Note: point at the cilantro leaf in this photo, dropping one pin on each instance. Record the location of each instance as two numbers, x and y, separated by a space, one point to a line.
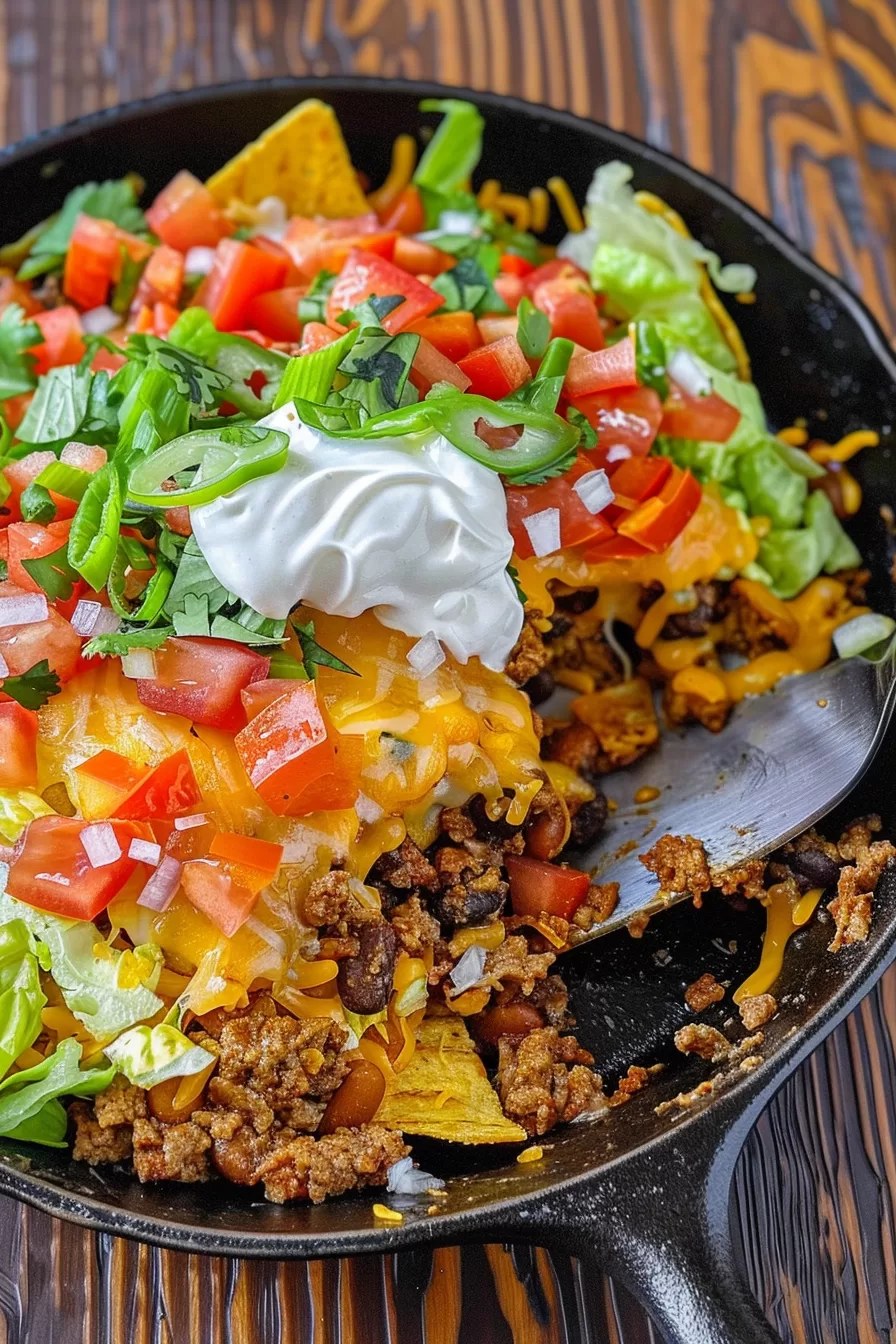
542 474
193 618
194 578
36 504
314 656
53 573
515 576
584 426
120 643
226 627
16 337
4 571
533 329
59 406
468 285
33 688
112 200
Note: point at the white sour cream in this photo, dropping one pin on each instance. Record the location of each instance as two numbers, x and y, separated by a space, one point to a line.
409 527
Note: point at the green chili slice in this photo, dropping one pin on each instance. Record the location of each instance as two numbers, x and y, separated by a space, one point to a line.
93 540
227 458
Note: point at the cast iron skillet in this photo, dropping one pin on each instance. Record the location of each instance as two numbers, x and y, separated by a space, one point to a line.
647 1196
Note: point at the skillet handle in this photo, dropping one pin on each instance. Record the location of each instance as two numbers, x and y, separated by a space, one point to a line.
658 1221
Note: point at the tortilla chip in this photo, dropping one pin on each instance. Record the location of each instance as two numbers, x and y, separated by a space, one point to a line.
302 159
444 1092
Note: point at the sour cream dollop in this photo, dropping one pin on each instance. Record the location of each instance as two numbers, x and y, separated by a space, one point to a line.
410 527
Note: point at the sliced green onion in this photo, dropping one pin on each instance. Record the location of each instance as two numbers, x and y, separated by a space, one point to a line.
93 540
64 479
284 665
862 633
310 377
227 458
543 392
36 504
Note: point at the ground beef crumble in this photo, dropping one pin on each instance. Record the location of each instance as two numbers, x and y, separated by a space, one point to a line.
544 1079
529 654
512 963
866 859
697 1038
756 1010
679 863
703 992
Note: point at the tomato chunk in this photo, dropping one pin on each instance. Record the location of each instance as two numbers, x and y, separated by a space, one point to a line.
24 646
18 746
226 902
63 341
627 421
365 275
539 888
600 370
453 334
202 679
512 263
103 781
240 273
577 523
276 313
162 278
430 366
168 790
496 369
710 418
315 335
19 475
420 258
405 212
570 306
94 259
184 215
51 869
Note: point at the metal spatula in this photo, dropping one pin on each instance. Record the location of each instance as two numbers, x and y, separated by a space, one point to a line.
783 761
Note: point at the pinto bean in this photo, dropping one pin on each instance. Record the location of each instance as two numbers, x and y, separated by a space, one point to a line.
550 829
356 1100
817 867
160 1100
365 981
510 1019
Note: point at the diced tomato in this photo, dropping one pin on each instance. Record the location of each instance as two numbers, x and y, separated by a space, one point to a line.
103 781
577 523
293 276
162 278
333 253
405 212
168 790
190 842
12 291
28 541
247 853
24 646
260 694
510 288
430 366
62 342
164 316
18 746
627 421
315 335
512 263
555 269
276 313
496 369
365 275
108 360
601 370
351 224
301 240
613 548
16 407
453 334
286 746
638 478
240 272
141 321
19 475
226 902
495 326
538 888
51 869
185 215
572 311
420 258
88 456
94 260
709 418
325 245
658 521
202 679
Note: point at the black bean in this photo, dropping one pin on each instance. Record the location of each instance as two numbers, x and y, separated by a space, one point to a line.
575 603
488 828
540 687
560 625
365 981
817 867
588 822
470 907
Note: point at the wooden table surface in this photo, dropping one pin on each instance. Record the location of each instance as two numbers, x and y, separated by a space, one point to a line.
792 103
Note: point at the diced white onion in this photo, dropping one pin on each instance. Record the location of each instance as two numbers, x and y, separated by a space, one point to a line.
367 810
270 218
4 666
145 851
199 260
458 221
688 374
92 618
618 453
594 490
187 823
26 609
139 665
468 971
403 1178
97 321
862 633
543 529
160 890
426 655
100 844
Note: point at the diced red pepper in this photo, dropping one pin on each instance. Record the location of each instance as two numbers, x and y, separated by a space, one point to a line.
202 679
453 334
659 520
210 888
240 273
168 790
572 311
185 215
539 888
627 421
430 367
496 369
276 313
601 370
18 746
63 341
365 275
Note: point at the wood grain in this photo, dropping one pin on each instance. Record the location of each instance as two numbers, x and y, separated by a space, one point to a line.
793 103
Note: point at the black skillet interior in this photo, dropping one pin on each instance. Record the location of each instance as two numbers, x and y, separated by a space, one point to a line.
816 354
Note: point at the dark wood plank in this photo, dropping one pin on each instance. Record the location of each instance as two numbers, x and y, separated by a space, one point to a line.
793 103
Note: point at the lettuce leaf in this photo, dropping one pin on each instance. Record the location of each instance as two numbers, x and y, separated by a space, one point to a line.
25 1097
772 488
149 1055
17 808
793 557
89 983
21 997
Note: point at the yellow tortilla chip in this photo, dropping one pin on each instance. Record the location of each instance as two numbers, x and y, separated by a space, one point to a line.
444 1092
302 159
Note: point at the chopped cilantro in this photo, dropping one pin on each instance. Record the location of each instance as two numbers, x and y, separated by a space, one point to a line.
515 576
121 642
16 336
33 688
584 426
53 573
112 200
314 656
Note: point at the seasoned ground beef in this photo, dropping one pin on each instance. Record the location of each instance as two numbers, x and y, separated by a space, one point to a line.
170 1152
414 926
95 1143
697 1038
703 992
529 654
746 879
405 868
282 1058
711 604
576 746
472 888
866 860
634 1080
348 1159
598 905
544 1079
551 997
756 1010
329 898
121 1104
679 863
512 963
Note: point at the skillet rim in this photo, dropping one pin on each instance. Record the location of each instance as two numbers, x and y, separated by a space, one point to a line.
731 1112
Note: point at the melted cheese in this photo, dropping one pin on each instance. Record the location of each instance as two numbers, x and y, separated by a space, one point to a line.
782 922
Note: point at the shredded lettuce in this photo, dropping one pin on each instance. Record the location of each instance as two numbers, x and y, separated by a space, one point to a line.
793 557
773 489
90 981
21 997
149 1055
29 1105
17 808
